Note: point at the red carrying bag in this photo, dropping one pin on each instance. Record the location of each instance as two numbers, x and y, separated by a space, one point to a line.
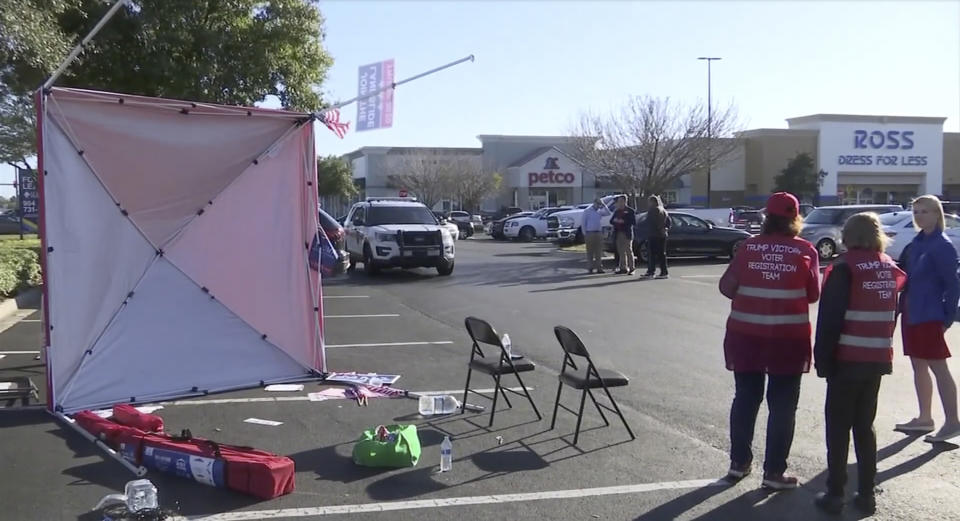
122 438
129 415
250 471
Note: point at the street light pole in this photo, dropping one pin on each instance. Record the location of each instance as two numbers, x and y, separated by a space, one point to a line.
709 123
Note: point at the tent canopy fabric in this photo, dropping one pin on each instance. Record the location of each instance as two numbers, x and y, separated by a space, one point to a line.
177 242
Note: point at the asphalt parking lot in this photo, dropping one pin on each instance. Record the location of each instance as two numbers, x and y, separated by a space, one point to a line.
665 335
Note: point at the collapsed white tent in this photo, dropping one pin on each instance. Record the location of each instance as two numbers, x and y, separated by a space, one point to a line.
176 238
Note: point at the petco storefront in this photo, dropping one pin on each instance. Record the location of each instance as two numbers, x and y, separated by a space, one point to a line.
547 177
877 159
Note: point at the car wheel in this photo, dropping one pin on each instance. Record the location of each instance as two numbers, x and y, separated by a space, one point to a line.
445 268
527 233
643 252
826 249
352 263
369 267
579 237
735 247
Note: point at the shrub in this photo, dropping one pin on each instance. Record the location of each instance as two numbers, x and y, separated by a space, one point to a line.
19 266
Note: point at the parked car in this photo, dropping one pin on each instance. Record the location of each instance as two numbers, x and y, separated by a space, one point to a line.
451 226
824 225
335 233
899 227
496 227
532 227
748 220
690 236
464 221
714 216
568 222
10 225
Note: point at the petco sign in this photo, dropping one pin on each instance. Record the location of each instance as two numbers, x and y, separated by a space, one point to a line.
883 148
552 175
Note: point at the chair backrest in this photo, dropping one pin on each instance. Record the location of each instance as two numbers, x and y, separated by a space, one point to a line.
570 342
481 331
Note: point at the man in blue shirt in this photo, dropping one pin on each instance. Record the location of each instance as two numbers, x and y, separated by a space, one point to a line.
592 223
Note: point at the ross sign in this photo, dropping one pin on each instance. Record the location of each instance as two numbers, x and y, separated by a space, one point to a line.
551 175
376 111
880 149
29 199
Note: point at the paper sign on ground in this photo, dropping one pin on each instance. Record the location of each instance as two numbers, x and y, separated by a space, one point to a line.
258 421
363 378
284 387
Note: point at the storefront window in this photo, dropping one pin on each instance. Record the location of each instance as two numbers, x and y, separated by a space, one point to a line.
549 197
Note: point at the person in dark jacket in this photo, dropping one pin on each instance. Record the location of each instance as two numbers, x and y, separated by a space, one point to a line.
623 220
853 350
658 227
929 306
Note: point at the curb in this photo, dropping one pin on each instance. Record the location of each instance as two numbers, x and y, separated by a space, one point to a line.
27 299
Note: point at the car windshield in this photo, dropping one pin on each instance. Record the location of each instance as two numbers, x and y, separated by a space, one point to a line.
824 216
379 215
892 219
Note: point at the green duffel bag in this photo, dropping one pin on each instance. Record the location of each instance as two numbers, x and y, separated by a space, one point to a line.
388 446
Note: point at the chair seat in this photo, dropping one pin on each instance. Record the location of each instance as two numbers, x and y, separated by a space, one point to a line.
608 376
492 367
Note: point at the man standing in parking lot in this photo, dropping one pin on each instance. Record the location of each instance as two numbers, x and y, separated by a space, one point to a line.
623 220
658 224
592 225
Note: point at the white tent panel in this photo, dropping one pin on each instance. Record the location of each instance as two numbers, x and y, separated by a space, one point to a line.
249 258
169 338
98 255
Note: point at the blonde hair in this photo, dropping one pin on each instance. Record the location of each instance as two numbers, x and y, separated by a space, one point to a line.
931 202
655 201
863 231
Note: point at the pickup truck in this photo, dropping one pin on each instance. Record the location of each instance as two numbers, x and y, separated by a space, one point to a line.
565 226
531 227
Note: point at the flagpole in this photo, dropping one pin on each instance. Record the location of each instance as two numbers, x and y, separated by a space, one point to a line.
393 85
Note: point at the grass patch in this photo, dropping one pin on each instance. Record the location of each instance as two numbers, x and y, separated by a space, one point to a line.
19 264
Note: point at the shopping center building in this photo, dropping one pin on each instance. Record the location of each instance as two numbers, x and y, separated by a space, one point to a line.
861 159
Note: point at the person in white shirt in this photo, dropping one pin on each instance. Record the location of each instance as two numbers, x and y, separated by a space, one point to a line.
592 224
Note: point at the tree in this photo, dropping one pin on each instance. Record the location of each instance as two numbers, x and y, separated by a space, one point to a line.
431 175
473 185
799 178
651 142
335 177
234 52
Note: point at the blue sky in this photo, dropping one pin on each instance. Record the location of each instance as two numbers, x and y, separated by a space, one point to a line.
539 64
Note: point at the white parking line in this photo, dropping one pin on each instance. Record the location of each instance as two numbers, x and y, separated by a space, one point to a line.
392 344
2 357
275 399
460 501
345 296
701 276
31 320
20 352
387 315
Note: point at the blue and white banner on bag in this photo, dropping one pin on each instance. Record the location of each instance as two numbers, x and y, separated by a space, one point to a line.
376 111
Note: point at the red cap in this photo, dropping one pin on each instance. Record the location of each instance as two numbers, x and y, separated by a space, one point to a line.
783 204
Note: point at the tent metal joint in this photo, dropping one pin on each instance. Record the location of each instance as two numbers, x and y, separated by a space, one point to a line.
124 212
49 249
200 211
184 111
120 101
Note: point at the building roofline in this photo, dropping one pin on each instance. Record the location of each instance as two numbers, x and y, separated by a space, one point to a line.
779 132
362 151
529 139
865 119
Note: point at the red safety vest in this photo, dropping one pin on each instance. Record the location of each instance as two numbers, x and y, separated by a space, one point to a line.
771 298
870 319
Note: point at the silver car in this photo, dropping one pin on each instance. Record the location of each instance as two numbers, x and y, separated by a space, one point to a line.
823 226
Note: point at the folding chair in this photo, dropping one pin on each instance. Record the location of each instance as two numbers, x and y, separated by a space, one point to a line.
592 378
20 388
481 332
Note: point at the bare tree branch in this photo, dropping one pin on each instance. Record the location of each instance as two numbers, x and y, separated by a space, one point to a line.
649 143
436 175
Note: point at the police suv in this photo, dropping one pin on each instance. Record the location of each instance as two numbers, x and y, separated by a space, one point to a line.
385 232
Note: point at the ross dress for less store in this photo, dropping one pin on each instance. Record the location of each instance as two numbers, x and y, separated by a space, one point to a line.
862 159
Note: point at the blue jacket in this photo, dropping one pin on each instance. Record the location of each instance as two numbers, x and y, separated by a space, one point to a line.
933 288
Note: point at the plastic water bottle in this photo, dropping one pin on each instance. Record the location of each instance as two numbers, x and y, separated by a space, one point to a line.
439 404
446 454
141 495
507 346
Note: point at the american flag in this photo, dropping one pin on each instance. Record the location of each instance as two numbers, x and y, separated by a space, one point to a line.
331 118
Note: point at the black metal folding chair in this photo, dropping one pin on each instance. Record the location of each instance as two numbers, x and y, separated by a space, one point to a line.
481 332
592 378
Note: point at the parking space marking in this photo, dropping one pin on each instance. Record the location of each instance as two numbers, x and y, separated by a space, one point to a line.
2 357
460 501
29 320
276 399
386 315
391 344
701 276
20 352
345 296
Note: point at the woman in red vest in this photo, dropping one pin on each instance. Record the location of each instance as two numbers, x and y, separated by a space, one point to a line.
772 280
854 349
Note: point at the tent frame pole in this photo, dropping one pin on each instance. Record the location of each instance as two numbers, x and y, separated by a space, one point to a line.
79 47
138 471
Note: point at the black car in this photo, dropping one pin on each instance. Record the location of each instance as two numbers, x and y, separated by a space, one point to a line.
690 236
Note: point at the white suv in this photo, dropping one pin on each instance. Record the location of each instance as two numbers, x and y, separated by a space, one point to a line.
532 227
397 232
